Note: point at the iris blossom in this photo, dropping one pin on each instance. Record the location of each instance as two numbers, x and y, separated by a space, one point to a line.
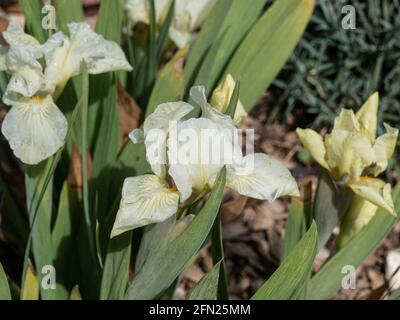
355 157
35 127
177 181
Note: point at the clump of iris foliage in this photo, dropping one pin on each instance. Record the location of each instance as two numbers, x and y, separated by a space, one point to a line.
126 226
328 58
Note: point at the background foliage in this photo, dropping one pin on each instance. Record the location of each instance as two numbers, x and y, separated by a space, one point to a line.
333 68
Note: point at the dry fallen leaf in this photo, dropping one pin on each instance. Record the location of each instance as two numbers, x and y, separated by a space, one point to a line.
194 273
75 169
3 27
232 206
129 113
264 219
378 293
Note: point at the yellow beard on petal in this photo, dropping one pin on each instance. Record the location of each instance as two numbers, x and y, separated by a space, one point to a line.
38 99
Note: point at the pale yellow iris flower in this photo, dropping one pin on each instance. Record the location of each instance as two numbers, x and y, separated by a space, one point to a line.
353 155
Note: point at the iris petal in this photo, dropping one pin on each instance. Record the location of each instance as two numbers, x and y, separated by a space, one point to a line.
145 200
261 177
35 129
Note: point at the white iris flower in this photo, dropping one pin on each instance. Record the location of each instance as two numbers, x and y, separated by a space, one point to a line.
189 15
177 180
35 127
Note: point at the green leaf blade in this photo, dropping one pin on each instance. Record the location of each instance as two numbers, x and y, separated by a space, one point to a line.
116 268
5 293
68 11
267 46
32 10
330 204
329 279
288 279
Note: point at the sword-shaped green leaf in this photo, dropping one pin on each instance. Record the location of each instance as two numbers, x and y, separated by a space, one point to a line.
32 10
329 279
288 279
267 46
4 287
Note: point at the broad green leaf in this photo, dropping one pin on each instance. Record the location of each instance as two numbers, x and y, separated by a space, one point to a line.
330 204
296 225
5 293
103 126
395 295
329 279
116 268
207 288
30 289
169 85
88 253
75 294
288 279
298 221
161 269
32 10
267 46
68 11
109 19
36 180
217 253
154 236
106 150
239 19
104 159
202 75
205 39
109 25
64 238
133 159
158 236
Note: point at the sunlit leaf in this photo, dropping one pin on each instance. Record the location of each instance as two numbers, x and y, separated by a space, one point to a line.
329 279
32 10
288 279
4 288
267 46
